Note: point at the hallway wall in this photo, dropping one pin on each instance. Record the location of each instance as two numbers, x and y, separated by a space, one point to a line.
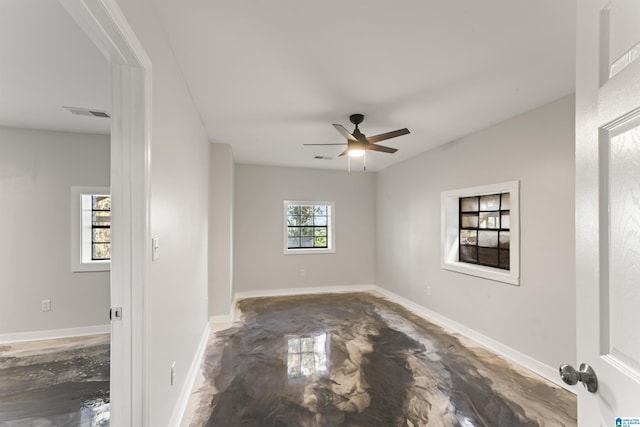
259 262
536 318
176 314
37 170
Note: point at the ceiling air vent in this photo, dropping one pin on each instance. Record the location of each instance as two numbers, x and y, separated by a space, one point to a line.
322 158
87 112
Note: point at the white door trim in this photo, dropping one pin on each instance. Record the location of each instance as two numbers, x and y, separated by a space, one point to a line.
107 27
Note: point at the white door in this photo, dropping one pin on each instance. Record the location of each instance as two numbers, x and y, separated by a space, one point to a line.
608 209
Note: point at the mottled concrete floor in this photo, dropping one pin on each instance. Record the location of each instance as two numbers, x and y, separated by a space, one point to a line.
359 360
55 383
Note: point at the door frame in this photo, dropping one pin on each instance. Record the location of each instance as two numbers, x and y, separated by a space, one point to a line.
105 24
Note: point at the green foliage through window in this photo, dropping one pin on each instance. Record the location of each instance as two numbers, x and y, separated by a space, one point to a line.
307 226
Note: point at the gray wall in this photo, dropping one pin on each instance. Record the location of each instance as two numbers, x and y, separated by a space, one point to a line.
37 171
259 264
536 318
220 230
176 315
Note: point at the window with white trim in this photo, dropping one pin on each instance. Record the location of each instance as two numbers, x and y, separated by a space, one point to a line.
308 227
480 231
90 229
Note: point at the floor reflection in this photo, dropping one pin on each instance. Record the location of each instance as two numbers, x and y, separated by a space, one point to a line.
62 383
307 356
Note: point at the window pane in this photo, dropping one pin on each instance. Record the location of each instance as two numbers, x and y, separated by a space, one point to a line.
505 220
305 220
319 232
320 242
488 257
490 202
489 220
101 203
469 220
292 220
469 204
101 218
101 235
468 237
504 260
293 242
293 210
101 251
293 232
468 254
306 231
320 210
320 220
306 242
504 240
506 201
488 239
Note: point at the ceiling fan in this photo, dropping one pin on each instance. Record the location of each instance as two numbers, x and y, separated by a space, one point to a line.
358 143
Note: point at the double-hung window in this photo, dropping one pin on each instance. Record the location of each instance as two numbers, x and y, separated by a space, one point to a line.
308 227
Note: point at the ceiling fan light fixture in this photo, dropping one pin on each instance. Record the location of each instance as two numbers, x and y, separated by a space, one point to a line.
356 152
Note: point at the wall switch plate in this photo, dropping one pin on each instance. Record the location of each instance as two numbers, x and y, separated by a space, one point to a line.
428 290
45 305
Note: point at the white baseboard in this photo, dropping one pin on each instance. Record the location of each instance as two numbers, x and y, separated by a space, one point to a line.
304 291
545 371
185 392
55 333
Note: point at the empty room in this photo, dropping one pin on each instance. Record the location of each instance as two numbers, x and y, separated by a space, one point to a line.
245 213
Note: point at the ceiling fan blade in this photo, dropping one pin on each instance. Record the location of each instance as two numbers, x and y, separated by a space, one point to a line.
342 143
344 132
381 148
388 135
343 153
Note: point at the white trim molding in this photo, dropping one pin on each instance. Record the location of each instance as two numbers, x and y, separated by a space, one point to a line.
450 232
55 334
187 387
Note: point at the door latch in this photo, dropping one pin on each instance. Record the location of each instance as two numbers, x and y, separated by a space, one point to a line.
115 313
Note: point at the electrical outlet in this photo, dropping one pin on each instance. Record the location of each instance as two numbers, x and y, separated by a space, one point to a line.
302 272
428 290
45 305
173 373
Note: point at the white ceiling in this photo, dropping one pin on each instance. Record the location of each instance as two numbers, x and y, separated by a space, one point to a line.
268 76
47 62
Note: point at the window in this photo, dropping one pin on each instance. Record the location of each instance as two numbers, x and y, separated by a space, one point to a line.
480 231
308 227
484 230
90 229
100 206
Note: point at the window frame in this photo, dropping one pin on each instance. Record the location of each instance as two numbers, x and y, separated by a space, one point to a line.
81 235
330 228
450 223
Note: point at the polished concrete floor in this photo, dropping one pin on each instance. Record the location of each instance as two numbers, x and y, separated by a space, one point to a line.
55 383
359 360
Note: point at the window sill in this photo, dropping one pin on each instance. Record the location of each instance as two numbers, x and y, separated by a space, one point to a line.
82 267
490 273
310 251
